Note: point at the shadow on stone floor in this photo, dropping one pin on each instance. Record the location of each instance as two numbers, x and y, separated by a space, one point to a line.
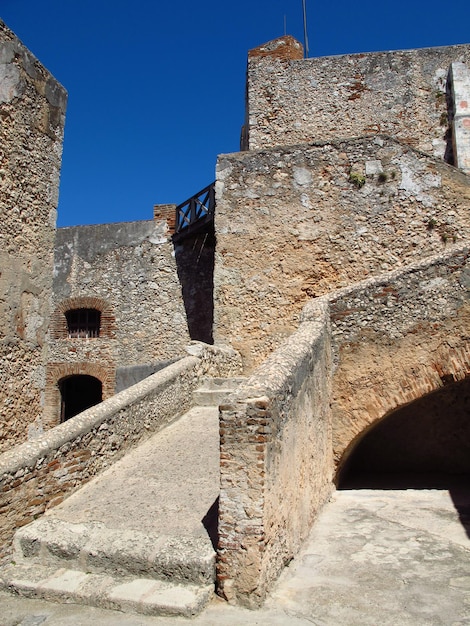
458 486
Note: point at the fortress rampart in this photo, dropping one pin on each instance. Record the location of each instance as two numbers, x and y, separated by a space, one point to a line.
32 111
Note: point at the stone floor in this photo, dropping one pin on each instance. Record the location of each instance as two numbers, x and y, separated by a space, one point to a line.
394 557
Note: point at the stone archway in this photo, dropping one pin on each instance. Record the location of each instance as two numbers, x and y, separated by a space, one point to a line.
57 372
78 393
427 441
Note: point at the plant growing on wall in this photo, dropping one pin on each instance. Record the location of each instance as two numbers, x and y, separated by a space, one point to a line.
357 179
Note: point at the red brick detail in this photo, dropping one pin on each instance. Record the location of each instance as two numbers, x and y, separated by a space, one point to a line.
373 402
167 213
59 322
57 371
286 48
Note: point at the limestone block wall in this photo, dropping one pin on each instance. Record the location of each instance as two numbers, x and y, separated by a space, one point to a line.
39 474
396 338
400 93
275 462
128 272
32 113
297 222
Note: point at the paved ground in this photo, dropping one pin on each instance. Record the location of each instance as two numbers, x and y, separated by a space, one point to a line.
376 557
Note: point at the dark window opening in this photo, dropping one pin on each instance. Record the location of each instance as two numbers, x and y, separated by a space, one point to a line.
78 393
83 323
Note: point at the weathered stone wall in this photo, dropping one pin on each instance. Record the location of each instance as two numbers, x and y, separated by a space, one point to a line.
37 475
32 112
460 90
276 462
396 338
128 271
400 93
294 223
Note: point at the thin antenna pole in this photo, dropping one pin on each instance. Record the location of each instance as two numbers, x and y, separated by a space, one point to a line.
305 29
285 26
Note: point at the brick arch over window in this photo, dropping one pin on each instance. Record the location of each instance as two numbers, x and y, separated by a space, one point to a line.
367 406
58 371
59 322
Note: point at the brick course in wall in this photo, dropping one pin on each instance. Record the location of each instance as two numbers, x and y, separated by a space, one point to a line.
275 463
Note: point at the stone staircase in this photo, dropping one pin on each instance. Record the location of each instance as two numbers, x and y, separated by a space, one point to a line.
141 536
123 570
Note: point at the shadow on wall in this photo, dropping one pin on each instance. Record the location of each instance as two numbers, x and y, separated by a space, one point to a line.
423 445
195 258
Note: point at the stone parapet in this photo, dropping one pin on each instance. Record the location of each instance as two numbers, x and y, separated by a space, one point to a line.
39 474
395 338
276 462
401 93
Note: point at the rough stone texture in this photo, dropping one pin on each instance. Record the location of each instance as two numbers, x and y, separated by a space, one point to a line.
38 475
400 93
294 223
127 271
382 556
32 112
396 337
460 81
275 463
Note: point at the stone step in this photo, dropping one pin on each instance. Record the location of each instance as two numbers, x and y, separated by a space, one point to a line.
92 547
127 594
214 391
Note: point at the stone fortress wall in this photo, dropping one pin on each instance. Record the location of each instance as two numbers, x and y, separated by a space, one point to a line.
294 223
307 210
406 94
343 194
128 272
32 112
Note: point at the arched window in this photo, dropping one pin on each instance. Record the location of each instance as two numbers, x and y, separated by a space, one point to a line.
83 323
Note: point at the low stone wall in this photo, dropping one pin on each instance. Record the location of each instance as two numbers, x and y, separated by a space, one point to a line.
276 462
37 475
393 339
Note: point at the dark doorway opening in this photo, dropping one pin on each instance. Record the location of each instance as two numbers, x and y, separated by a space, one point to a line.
78 393
423 445
427 440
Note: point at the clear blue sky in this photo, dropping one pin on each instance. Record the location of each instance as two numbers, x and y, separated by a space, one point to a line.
156 88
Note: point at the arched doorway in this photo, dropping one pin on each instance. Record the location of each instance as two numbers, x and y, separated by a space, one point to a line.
78 393
426 442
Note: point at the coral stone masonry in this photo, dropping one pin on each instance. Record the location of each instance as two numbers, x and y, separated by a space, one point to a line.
32 114
334 276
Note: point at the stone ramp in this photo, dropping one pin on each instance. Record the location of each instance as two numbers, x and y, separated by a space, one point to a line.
135 538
